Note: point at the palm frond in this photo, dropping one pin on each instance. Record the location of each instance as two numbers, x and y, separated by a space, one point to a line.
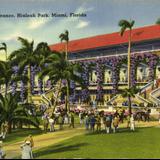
4 44
4 47
22 65
132 23
124 24
122 30
25 43
64 36
130 92
27 120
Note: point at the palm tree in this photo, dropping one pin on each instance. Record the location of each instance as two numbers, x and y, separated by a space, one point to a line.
65 37
59 69
27 56
4 47
158 21
124 24
130 93
43 51
12 112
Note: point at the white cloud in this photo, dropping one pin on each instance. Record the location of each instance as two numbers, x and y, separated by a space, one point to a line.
82 9
10 37
82 24
36 23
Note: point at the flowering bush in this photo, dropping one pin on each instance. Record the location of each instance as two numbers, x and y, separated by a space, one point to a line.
40 83
85 76
115 62
32 80
72 97
99 71
23 88
14 84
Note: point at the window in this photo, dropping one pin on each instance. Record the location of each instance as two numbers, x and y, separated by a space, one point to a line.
141 70
90 76
94 76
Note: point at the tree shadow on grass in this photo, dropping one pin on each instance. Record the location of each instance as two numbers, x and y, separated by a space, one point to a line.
19 134
58 148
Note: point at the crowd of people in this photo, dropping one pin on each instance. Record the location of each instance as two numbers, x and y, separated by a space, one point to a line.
92 119
98 121
58 118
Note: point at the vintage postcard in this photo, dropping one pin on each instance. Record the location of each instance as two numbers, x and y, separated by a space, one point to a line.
79 79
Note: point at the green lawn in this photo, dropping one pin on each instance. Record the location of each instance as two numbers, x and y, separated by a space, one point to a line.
143 143
20 134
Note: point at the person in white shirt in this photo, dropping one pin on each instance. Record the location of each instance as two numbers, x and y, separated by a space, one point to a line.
132 123
80 117
51 122
26 151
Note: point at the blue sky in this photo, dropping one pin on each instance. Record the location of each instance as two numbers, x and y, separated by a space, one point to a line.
102 17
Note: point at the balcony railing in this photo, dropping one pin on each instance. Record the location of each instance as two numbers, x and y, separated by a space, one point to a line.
113 52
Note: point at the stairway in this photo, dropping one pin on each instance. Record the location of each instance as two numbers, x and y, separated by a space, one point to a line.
39 99
138 99
147 88
153 92
45 98
118 100
111 101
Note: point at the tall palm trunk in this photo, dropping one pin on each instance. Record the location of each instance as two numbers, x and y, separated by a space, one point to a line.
67 87
66 50
129 69
29 98
9 129
129 104
55 101
67 98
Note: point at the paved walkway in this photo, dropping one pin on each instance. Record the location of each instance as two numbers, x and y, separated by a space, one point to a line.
44 140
